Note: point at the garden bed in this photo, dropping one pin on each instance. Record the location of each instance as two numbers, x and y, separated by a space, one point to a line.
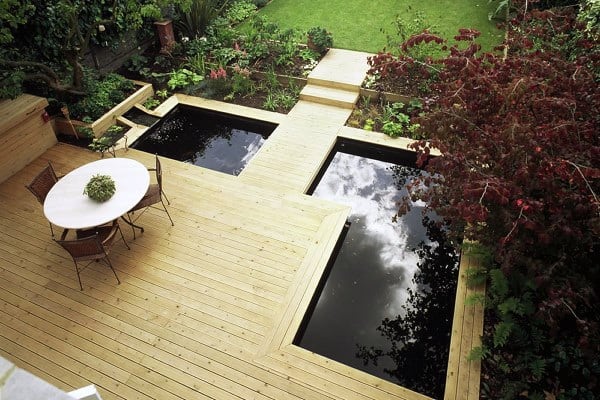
68 126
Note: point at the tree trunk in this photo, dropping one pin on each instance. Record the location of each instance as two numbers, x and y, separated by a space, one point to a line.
72 57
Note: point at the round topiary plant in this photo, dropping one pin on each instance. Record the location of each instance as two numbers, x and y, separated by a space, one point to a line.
319 39
100 188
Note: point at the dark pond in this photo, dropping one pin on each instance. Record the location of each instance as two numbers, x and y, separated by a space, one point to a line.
139 117
386 303
209 139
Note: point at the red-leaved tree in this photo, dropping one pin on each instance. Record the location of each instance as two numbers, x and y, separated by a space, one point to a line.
519 172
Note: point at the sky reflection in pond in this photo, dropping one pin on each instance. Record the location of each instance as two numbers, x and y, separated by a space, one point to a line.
372 274
205 138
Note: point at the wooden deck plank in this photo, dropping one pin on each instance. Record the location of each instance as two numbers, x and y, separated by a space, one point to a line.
164 298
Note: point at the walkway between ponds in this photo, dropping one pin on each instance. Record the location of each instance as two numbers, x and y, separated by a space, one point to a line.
312 126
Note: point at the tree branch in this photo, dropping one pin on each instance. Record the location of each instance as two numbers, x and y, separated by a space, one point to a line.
31 64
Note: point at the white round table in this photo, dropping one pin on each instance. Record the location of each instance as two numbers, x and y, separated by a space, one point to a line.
66 205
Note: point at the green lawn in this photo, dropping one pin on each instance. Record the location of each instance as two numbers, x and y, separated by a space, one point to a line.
356 24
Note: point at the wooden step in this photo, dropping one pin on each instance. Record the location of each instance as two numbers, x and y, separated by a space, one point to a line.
332 83
330 96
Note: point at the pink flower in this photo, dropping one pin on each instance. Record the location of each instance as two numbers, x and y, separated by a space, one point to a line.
218 74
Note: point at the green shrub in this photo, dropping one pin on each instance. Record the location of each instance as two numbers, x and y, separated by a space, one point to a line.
193 24
319 39
137 64
102 95
240 11
183 77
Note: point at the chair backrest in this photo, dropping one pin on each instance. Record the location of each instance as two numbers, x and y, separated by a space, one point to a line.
42 183
85 248
158 172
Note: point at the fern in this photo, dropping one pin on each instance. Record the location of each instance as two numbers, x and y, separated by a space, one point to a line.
502 332
478 251
475 299
511 305
478 353
538 367
476 276
499 283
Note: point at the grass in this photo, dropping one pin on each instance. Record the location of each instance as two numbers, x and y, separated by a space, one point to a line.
357 24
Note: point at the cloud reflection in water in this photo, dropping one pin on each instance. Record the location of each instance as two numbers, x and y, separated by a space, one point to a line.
374 267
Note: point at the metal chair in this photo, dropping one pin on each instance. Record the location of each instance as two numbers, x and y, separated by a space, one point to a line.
154 195
92 245
41 185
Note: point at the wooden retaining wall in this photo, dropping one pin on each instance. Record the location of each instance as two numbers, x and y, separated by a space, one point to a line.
24 133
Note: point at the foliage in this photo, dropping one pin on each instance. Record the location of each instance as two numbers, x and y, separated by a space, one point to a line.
319 39
241 83
397 123
260 3
12 14
102 95
45 40
240 10
392 118
197 64
407 70
519 172
107 140
183 77
404 28
100 188
193 23
152 102
590 16
137 64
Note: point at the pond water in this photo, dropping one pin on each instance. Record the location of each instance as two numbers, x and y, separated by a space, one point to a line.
218 141
386 303
140 117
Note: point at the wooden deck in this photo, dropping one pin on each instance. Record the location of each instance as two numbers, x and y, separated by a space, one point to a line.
207 309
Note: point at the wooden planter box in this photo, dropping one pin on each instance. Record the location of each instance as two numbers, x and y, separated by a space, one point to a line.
25 133
69 126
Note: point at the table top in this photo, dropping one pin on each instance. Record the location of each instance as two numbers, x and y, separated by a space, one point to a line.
66 205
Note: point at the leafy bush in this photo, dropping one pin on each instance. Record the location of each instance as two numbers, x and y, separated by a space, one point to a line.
241 83
101 95
193 23
137 64
319 39
240 11
181 78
